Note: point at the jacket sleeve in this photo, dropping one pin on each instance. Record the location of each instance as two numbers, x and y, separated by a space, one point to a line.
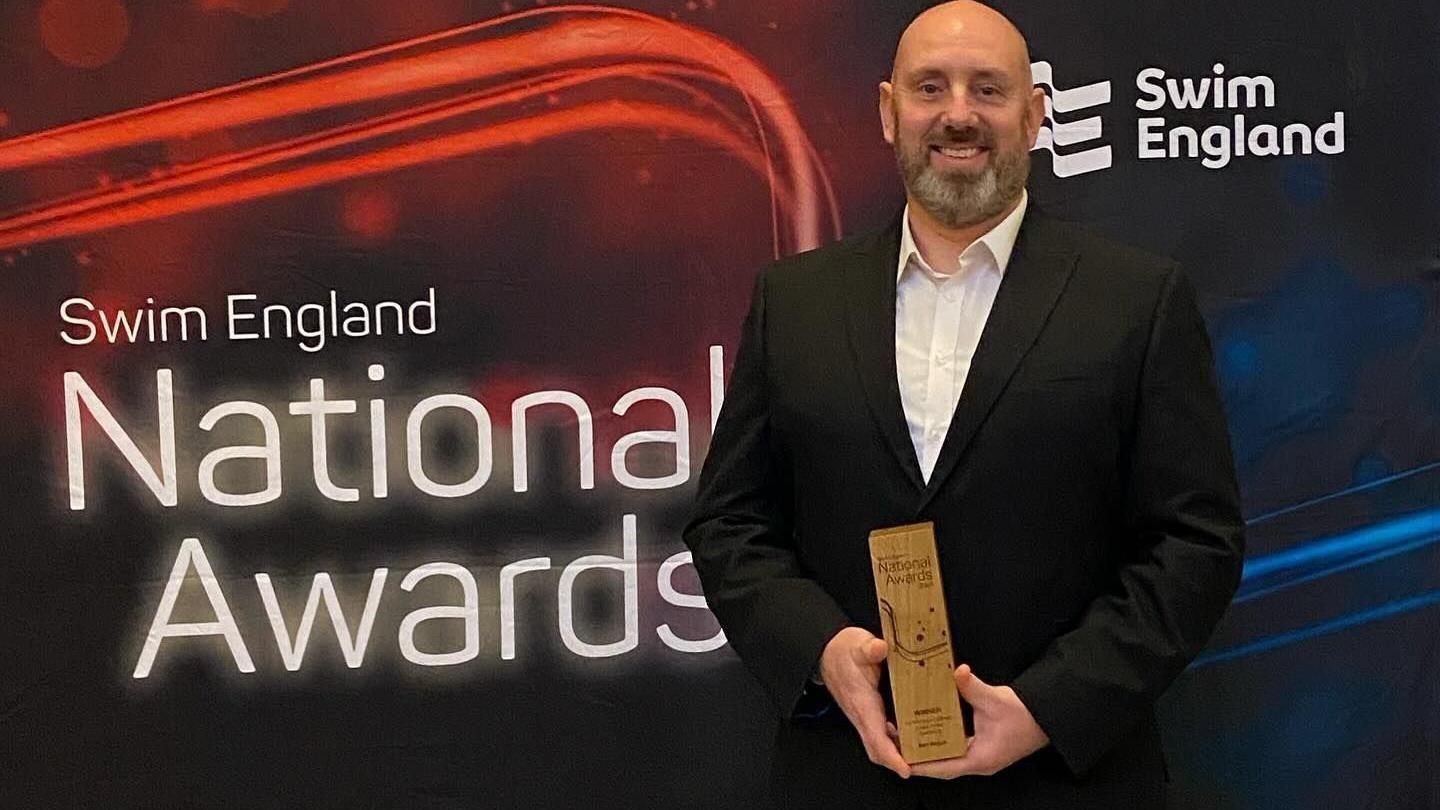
1180 565
774 615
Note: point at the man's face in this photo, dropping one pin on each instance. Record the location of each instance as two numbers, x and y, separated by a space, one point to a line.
962 113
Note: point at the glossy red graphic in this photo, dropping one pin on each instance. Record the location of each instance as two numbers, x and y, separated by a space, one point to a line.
462 91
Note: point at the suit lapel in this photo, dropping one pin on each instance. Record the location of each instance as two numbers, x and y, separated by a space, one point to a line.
1039 268
870 323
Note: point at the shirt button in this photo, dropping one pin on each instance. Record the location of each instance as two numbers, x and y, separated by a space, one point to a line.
944 358
951 294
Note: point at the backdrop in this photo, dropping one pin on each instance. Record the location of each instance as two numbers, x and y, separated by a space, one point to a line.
359 360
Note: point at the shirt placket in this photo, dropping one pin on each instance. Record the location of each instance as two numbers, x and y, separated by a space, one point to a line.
940 381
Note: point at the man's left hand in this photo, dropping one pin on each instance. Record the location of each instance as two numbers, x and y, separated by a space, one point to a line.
1004 731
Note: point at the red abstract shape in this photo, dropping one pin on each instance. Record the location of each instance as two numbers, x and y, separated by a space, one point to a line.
630 55
84 33
369 213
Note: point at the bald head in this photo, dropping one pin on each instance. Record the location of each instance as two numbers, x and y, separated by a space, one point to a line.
962 111
966 24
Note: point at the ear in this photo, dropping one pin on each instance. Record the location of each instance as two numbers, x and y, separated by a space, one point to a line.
1037 112
887 112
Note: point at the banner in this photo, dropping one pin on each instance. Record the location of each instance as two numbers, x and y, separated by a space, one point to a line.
359 362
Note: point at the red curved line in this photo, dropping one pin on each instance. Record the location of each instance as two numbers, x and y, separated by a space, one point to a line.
565 42
271 78
314 68
618 33
604 114
231 164
412 74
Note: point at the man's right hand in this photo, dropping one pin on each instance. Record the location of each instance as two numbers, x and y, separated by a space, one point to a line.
850 668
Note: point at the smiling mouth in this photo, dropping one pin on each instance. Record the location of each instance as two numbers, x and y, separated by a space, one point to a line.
959 151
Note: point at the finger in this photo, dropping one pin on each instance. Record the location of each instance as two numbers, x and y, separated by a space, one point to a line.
867 714
970 686
971 763
872 726
892 732
882 752
944 769
937 769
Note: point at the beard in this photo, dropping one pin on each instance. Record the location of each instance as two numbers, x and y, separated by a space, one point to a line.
958 199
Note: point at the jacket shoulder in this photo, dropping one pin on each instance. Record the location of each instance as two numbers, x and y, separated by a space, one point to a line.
1110 253
821 263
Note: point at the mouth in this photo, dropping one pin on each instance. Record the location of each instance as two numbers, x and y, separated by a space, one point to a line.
959 152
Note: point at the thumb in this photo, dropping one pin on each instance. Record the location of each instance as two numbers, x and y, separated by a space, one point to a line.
874 650
970 686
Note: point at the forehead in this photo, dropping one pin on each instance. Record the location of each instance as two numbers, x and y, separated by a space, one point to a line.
960 47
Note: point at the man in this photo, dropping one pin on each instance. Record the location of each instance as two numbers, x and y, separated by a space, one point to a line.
1044 396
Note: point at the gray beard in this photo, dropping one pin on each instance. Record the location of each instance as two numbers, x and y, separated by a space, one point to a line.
956 201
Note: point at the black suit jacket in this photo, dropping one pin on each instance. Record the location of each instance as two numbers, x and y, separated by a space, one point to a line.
1085 505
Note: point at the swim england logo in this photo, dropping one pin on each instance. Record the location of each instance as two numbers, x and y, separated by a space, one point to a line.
1213 120
1056 133
1225 120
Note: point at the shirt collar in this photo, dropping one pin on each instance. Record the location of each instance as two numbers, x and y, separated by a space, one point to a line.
1000 240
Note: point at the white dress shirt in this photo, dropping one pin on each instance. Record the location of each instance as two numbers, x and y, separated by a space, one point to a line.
938 321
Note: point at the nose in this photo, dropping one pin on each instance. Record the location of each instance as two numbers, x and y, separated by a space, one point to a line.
959 112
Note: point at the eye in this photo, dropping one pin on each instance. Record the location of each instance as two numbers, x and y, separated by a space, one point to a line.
928 88
989 90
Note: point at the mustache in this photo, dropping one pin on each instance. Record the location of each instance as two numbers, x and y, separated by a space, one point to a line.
968 135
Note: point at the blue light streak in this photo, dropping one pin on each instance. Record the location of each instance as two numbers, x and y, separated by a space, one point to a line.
1247 593
1423 526
1346 621
1319 558
1368 485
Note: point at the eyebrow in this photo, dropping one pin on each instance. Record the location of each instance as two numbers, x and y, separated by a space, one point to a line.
991 75
985 74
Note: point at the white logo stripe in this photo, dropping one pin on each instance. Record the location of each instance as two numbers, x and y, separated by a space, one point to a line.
1070 165
1075 98
1066 133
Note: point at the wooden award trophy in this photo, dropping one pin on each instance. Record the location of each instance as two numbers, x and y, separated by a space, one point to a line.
917 629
